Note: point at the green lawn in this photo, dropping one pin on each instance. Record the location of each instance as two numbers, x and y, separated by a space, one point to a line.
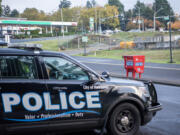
155 56
51 45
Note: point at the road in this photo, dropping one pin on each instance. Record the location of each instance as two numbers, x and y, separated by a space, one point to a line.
167 121
167 73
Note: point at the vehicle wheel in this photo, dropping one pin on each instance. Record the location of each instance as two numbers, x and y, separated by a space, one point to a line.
125 120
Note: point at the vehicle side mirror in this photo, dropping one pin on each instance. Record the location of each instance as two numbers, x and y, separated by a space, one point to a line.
93 79
105 74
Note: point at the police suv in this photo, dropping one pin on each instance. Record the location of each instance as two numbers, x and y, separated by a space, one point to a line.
50 91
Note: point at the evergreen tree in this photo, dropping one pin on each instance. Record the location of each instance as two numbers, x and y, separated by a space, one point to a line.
14 13
93 2
7 11
166 10
0 8
64 4
118 4
145 11
88 4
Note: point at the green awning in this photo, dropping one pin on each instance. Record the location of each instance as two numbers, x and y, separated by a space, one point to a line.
25 22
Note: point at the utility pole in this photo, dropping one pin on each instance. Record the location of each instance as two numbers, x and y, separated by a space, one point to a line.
96 20
61 10
170 42
170 35
139 19
100 29
155 22
155 13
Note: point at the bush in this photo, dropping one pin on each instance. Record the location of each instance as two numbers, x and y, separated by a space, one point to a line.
35 32
21 36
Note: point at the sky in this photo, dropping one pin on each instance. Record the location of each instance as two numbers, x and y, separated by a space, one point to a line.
51 5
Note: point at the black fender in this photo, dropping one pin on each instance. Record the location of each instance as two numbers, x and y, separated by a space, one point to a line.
130 98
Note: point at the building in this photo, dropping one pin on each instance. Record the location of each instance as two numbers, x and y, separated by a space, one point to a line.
15 26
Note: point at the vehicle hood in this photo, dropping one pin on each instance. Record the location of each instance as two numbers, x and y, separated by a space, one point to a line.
124 82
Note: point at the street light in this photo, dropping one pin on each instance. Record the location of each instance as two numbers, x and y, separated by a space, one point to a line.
170 36
139 18
155 13
61 10
100 29
171 58
95 19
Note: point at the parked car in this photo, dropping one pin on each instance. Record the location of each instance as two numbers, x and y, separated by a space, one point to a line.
3 43
117 31
107 32
134 30
51 92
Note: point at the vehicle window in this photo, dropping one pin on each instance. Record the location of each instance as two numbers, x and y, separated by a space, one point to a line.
19 67
61 69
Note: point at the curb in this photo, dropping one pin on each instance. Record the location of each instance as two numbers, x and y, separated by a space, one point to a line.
148 79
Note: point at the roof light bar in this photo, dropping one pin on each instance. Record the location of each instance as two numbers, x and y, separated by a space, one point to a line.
26 46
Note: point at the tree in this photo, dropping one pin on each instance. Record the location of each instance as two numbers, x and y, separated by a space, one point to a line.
148 23
14 13
31 14
42 15
139 6
130 25
93 2
106 17
145 11
0 8
128 14
64 4
118 4
148 13
88 4
69 14
166 10
7 10
176 25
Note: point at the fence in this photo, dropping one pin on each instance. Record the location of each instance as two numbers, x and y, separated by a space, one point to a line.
99 42
95 42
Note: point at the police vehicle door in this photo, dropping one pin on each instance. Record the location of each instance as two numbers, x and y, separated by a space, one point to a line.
68 99
21 97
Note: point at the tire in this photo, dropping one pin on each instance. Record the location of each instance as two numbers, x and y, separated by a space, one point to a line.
125 120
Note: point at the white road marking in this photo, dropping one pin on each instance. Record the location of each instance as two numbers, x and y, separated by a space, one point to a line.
165 68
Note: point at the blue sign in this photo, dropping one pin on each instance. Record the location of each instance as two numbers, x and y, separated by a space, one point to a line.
139 64
129 63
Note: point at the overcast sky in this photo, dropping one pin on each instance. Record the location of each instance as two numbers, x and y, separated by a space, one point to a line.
51 5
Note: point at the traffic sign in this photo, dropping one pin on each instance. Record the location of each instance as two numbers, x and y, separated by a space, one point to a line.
166 18
84 39
91 23
139 21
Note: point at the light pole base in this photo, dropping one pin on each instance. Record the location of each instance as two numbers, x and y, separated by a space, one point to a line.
171 62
